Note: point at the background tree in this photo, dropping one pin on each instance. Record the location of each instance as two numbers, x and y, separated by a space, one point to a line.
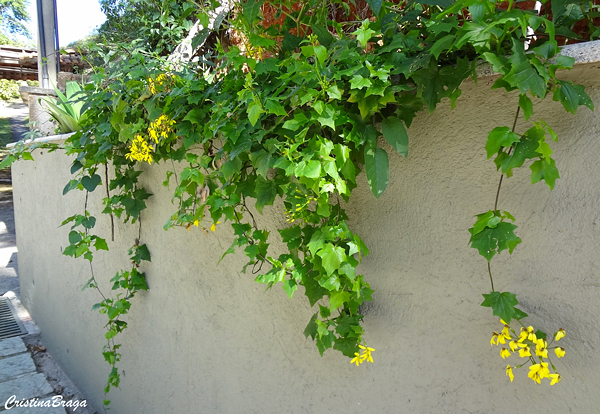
157 26
13 14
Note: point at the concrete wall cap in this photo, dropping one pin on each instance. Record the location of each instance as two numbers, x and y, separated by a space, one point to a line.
51 138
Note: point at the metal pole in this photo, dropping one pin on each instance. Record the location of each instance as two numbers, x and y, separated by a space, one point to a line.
56 43
42 46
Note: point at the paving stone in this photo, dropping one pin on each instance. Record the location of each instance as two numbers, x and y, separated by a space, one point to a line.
16 365
25 387
11 346
36 410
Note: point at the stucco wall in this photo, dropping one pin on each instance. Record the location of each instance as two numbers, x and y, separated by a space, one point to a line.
207 339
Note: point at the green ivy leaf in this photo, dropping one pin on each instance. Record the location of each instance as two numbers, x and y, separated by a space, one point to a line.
500 137
544 170
526 78
526 105
254 111
100 244
492 241
337 299
331 257
519 314
524 149
377 169
443 44
310 169
363 33
502 304
571 96
266 191
395 134
290 287
358 82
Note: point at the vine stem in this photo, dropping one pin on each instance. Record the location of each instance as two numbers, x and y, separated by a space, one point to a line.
509 151
112 219
498 190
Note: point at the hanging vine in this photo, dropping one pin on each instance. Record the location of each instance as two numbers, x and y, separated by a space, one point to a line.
295 111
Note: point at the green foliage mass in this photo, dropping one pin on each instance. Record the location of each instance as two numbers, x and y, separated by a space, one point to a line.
297 119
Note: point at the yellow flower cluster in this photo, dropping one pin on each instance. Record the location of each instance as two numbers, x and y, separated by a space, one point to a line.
139 150
162 82
523 344
364 355
161 128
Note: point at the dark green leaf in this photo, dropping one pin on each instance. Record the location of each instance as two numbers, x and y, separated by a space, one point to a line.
90 183
266 191
525 149
503 304
375 5
74 237
500 137
571 96
492 241
526 105
311 327
251 8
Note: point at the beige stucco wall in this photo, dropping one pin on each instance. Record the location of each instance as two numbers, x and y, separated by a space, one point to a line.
207 339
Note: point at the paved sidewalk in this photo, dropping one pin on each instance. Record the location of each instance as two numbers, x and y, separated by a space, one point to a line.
20 381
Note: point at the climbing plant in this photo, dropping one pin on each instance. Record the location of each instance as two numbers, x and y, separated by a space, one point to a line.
295 110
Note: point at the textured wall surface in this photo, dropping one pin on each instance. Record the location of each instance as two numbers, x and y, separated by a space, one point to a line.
207 339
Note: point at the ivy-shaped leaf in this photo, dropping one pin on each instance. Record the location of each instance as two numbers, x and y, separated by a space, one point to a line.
502 304
500 137
492 241
544 170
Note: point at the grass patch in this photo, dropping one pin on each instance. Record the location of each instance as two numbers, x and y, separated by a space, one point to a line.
5 137
5 134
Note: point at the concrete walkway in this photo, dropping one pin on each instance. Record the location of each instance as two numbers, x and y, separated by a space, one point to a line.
18 114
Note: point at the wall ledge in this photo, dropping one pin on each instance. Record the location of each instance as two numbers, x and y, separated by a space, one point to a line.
51 138
583 53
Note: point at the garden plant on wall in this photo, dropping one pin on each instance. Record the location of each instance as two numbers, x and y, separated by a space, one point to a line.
287 100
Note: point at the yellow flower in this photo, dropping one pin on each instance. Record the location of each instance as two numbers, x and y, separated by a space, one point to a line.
523 335
504 353
524 352
531 334
494 337
506 331
538 371
540 349
513 346
214 226
560 352
509 373
560 334
366 356
502 339
555 378
356 360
